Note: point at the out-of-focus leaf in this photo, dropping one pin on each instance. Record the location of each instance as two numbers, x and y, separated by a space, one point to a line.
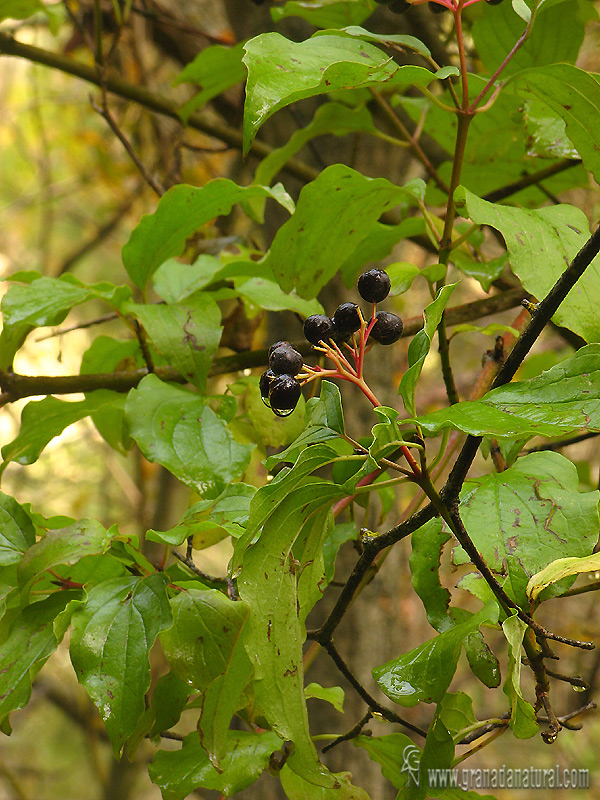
556 36
42 420
179 214
330 118
110 641
228 513
213 70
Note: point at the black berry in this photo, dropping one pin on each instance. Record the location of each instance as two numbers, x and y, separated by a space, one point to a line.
346 318
374 285
266 379
399 6
318 328
494 2
387 328
285 360
436 8
284 394
275 345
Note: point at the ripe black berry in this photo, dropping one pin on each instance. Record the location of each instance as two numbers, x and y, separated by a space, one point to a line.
387 329
275 345
284 394
346 318
494 2
285 360
266 379
318 328
399 6
374 285
436 8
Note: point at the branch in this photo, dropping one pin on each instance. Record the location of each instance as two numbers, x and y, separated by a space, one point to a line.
151 100
390 716
543 314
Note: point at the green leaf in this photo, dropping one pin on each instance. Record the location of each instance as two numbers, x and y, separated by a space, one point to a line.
420 346
561 400
324 420
546 132
522 9
174 281
559 569
17 532
427 545
297 788
399 40
330 118
110 641
378 244
22 9
47 301
556 36
177 429
331 694
281 72
425 673
325 13
335 212
280 580
522 720
106 354
228 513
187 333
266 294
86 537
27 645
204 648
179 772
181 212
541 243
214 70
396 754
456 712
42 420
402 275
529 515
574 95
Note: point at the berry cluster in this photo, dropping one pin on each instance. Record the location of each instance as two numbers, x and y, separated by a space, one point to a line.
280 385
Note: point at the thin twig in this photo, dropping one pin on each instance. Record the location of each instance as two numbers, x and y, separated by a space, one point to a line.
352 733
204 576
